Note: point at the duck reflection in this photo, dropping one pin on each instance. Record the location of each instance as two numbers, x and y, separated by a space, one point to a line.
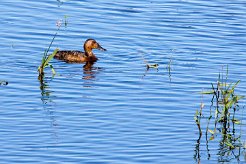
89 73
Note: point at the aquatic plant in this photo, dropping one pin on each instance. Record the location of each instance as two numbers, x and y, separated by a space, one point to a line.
152 66
48 57
148 66
225 103
169 65
45 62
197 118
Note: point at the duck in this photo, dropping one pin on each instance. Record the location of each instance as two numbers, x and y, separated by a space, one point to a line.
74 56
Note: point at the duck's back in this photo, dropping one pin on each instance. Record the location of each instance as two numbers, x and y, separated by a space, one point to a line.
73 56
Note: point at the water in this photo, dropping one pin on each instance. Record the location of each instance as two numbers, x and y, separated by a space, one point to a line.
117 112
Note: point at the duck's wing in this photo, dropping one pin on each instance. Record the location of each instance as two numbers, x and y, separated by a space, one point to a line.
70 56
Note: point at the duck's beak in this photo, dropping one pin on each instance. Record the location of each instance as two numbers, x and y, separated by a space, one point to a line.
100 47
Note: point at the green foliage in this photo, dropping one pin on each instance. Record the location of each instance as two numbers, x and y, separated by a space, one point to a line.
226 97
46 57
225 105
45 62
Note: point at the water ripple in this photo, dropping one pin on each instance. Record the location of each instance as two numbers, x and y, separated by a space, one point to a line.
117 111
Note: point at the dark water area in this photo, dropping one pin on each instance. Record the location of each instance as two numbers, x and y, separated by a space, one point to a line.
117 111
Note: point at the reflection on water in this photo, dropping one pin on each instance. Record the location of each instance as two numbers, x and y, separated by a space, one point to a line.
89 73
48 104
44 88
227 151
60 2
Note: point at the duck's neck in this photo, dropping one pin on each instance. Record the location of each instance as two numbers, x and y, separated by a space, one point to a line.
89 53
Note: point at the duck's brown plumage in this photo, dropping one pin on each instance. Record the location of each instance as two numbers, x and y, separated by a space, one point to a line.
79 56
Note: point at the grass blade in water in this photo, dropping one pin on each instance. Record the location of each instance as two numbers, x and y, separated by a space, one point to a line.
50 57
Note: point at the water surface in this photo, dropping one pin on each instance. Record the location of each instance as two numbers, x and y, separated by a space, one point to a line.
117 111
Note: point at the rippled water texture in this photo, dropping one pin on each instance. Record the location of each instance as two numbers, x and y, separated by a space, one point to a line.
116 111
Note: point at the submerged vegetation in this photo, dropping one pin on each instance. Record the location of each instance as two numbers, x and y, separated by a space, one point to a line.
226 109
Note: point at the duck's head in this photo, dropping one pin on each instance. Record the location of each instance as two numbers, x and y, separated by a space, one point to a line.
92 44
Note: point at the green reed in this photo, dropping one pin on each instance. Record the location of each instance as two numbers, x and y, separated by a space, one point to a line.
225 106
169 65
48 57
225 98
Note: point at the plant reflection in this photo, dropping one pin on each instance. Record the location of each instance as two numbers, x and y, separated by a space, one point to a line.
60 2
47 102
44 88
169 68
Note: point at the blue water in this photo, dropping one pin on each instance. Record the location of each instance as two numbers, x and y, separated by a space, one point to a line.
117 112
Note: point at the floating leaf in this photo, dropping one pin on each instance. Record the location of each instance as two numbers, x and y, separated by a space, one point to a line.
236 121
208 92
152 65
